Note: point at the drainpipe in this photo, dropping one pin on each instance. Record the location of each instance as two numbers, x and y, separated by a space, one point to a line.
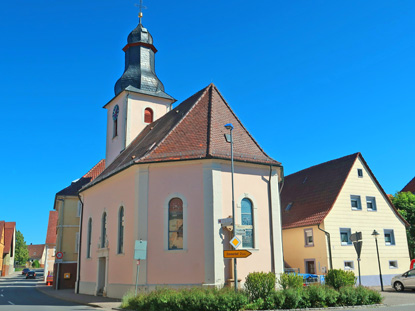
329 245
78 268
271 227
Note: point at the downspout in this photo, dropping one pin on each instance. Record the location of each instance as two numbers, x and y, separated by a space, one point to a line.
329 245
271 225
78 268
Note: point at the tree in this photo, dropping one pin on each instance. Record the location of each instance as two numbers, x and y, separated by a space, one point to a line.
405 203
22 253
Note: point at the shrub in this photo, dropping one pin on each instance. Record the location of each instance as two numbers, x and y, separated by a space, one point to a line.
347 296
317 296
36 264
292 298
374 297
337 278
332 296
291 280
259 285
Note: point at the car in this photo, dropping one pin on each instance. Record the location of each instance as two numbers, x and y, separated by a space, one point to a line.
31 275
25 271
403 281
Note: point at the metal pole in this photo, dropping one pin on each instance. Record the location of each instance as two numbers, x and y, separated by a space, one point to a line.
358 265
233 214
380 270
136 278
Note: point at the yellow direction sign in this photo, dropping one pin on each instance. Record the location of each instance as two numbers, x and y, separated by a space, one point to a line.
236 254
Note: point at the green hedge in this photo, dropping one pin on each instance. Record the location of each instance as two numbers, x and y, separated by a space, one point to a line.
338 278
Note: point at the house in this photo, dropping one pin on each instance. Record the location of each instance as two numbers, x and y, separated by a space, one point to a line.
68 206
2 227
9 248
410 187
50 244
336 199
36 252
166 185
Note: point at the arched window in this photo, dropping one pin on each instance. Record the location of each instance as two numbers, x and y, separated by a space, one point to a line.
103 229
176 224
121 230
115 113
247 221
88 242
148 115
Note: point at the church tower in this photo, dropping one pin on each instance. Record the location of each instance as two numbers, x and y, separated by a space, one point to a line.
139 94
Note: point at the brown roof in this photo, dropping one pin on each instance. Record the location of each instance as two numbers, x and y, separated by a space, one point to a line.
314 191
410 186
52 226
8 236
193 130
35 251
75 186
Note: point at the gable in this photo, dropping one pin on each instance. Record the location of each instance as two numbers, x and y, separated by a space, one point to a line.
410 186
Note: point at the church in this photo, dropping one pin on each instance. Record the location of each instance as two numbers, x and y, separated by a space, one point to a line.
166 186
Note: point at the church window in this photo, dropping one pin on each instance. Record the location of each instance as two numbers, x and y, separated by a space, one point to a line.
88 243
175 223
247 222
121 230
148 115
115 113
103 230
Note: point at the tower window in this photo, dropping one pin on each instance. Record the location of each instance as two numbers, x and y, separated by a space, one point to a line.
115 113
148 115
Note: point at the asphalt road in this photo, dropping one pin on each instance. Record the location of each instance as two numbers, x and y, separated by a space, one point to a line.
19 294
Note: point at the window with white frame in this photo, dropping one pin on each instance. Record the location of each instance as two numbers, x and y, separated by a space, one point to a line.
76 242
308 236
247 222
389 237
393 264
355 202
121 230
360 172
371 203
345 236
103 229
88 242
78 211
349 265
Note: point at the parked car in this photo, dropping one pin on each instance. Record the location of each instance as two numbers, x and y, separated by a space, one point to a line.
31 275
403 281
25 271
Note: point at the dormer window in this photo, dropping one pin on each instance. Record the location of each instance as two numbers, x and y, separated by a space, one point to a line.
148 115
115 121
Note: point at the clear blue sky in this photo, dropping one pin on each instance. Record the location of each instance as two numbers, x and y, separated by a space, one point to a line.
311 80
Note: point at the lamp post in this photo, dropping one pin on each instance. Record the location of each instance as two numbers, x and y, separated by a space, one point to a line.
229 139
375 234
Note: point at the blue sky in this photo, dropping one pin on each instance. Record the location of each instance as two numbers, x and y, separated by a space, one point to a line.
311 80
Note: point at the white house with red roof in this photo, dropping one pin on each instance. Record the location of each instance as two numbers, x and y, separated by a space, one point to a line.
166 185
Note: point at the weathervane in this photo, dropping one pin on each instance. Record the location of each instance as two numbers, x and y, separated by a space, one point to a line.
141 7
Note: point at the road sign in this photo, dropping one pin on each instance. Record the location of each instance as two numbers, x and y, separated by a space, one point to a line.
59 255
240 231
356 236
225 221
236 254
57 260
358 247
235 242
140 249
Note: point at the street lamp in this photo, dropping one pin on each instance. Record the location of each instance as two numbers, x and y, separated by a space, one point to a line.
375 234
229 139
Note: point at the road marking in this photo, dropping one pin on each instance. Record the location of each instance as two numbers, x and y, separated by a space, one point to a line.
11 302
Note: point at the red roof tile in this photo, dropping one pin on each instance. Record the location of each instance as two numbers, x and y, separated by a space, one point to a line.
8 236
314 191
36 251
192 130
410 186
52 227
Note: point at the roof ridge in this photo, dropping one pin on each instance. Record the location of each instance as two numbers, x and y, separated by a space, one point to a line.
96 165
176 125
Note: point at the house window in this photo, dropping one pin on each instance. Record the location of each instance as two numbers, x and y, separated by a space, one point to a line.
371 203
121 230
308 236
389 237
115 113
148 115
349 265
78 211
76 242
247 222
393 264
310 266
88 243
103 229
345 236
355 201
360 172
175 224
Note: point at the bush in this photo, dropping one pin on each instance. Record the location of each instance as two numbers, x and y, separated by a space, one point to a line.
317 296
292 298
337 278
347 296
374 297
332 296
259 285
36 264
291 280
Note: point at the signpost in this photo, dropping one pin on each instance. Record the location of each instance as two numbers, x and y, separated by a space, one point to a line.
357 243
225 222
235 242
59 255
140 253
236 254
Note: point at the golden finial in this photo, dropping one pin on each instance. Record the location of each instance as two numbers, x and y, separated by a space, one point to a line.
141 7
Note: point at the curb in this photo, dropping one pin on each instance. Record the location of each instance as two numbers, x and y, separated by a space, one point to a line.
39 288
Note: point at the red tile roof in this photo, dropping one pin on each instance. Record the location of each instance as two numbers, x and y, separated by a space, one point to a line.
36 251
9 236
314 191
193 130
410 186
52 227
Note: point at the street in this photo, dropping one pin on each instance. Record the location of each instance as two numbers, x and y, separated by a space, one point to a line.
19 293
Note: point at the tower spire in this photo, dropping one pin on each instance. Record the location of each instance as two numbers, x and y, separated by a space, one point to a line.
140 13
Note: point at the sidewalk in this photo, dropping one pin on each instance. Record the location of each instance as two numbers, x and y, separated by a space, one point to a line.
69 295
